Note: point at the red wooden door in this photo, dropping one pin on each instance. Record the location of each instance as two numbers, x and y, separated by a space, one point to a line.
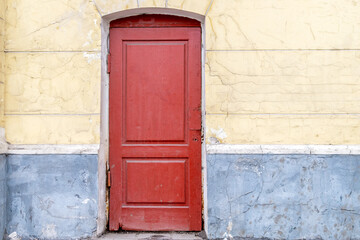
155 124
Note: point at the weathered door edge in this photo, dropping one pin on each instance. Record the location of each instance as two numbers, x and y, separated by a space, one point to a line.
104 108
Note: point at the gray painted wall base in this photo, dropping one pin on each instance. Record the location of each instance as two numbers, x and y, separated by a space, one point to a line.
3 195
52 196
284 196
249 196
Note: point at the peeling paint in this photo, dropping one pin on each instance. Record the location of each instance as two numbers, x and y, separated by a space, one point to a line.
87 200
89 38
49 231
91 56
227 235
216 135
14 236
243 164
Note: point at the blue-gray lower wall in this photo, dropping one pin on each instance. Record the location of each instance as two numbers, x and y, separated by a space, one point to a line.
52 196
284 196
3 195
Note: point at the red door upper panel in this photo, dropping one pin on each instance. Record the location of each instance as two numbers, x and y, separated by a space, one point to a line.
155 91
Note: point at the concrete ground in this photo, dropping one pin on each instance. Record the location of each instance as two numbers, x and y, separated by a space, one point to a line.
150 236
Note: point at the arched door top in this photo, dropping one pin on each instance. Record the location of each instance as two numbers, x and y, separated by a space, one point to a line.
154 20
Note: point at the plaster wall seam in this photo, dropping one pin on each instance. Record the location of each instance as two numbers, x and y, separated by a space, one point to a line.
24 149
51 114
309 149
97 8
65 51
281 50
281 114
209 7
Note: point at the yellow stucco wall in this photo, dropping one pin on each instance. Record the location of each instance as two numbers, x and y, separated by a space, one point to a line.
283 72
53 72
276 72
2 62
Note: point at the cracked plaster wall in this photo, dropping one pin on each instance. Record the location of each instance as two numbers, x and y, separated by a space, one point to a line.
282 72
53 72
52 196
284 196
277 72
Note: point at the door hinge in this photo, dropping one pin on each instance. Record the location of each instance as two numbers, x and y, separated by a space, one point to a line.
108 63
108 178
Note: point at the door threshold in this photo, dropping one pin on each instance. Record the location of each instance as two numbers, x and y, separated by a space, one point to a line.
151 236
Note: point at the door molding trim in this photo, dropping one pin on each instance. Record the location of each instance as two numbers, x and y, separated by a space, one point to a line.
103 156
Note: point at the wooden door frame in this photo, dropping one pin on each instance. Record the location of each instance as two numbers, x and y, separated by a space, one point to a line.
103 156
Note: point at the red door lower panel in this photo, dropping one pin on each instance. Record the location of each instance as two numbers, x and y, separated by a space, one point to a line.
155 123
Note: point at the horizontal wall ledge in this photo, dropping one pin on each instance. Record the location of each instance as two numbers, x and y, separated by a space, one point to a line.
281 149
53 149
210 149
